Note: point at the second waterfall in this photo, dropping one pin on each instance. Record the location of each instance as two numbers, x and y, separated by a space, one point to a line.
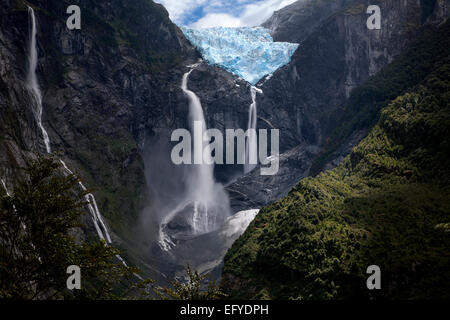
251 147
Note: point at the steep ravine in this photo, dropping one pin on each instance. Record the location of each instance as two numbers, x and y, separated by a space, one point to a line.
112 96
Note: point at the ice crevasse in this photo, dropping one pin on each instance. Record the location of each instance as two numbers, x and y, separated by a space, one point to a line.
249 53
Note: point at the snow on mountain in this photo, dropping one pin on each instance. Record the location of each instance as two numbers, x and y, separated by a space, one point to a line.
249 53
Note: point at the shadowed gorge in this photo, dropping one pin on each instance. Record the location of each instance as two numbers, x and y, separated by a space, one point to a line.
281 161
388 196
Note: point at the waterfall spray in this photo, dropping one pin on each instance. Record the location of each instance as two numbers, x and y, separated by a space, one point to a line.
32 82
202 177
204 205
251 147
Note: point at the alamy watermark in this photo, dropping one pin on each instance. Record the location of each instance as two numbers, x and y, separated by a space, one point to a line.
208 146
374 281
74 280
374 21
74 21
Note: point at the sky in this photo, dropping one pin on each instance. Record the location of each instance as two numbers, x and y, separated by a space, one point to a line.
221 13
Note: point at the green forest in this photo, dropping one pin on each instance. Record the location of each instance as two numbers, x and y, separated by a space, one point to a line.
387 204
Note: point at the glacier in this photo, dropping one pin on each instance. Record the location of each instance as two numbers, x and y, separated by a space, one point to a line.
249 53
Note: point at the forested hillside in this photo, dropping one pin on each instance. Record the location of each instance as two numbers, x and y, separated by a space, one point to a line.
387 204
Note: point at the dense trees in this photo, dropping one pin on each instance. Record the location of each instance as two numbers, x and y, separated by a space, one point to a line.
387 204
40 228
38 225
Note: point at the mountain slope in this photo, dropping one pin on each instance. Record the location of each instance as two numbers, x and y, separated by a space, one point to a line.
387 204
303 17
308 100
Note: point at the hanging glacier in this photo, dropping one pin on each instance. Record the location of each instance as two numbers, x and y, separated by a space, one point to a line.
249 53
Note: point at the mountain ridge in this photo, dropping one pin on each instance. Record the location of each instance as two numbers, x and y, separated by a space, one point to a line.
385 204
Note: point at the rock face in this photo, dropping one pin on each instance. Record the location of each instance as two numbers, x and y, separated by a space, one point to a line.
306 98
334 58
112 97
110 91
300 19
387 198
101 87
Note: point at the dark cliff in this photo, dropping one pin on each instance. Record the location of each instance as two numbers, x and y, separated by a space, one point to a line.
110 91
309 99
102 87
386 204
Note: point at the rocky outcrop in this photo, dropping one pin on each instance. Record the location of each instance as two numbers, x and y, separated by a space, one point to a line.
299 20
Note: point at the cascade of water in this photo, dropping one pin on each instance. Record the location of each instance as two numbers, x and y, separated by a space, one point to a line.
33 85
205 204
6 189
32 82
100 226
202 182
205 171
251 148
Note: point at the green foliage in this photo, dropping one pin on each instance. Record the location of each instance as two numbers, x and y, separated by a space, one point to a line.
190 290
387 204
38 224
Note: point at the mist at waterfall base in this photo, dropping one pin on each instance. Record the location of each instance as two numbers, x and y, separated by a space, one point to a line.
186 200
168 235
189 220
169 215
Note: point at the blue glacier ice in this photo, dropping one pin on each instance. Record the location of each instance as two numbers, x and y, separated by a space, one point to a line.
249 53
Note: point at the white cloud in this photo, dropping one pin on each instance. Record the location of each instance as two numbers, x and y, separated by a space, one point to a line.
179 8
217 20
256 13
235 13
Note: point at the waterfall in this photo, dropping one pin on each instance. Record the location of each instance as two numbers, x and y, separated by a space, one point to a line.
251 147
6 189
202 181
100 226
32 82
204 173
203 204
97 219
33 85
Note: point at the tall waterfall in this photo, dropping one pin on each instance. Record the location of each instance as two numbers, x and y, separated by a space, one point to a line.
33 85
203 205
251 147
201 181
32 82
